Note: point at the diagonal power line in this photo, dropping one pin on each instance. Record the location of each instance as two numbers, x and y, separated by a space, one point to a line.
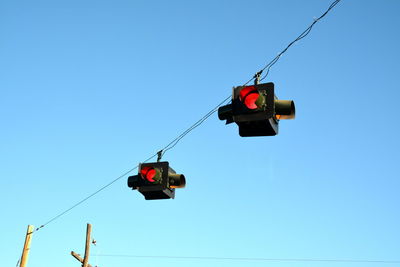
175 141
301 36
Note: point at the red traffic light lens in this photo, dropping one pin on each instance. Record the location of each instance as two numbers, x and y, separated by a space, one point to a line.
148 173
249 95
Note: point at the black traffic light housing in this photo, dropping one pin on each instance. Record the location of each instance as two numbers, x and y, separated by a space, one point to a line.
156 180
256 110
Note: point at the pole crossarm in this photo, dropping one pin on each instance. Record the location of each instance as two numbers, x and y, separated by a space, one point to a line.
85 259
78 257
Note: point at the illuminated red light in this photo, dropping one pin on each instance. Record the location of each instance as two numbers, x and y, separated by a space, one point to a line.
148 173
249 96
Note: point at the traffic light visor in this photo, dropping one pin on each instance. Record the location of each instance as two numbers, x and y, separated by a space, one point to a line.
284 109
176 180
251 97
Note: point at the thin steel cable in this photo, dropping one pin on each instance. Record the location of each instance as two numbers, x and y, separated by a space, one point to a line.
255 259
268 66
175 141
301 36
91 195
172 144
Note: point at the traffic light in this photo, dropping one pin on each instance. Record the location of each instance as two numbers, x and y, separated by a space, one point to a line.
256 110
156 180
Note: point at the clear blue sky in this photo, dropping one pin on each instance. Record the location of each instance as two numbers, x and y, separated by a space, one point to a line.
91 88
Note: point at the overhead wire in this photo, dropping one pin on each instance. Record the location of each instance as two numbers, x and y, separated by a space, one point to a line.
253 259
170 145
301 36
176 140
91 195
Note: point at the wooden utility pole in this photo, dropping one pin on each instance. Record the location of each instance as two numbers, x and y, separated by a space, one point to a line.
27 246
85 260
87 245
